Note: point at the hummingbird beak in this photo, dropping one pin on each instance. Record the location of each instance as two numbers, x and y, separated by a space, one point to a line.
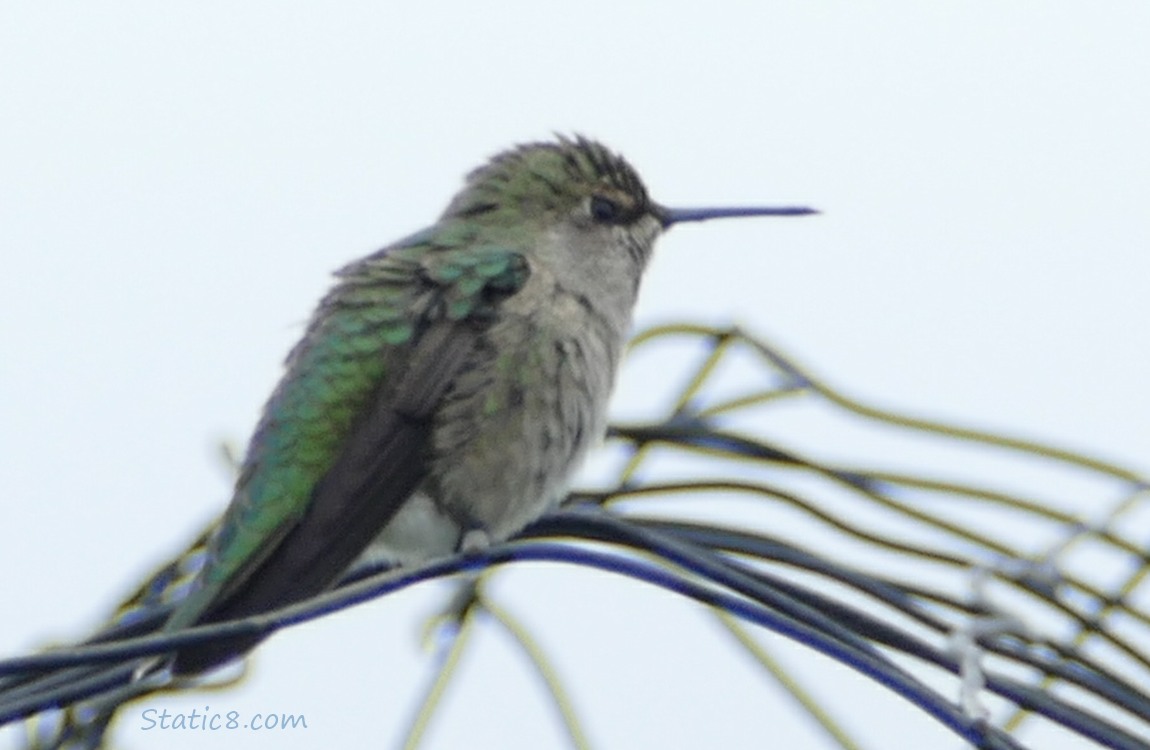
669 216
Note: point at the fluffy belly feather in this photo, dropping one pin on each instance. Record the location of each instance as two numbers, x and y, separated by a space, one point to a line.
513 428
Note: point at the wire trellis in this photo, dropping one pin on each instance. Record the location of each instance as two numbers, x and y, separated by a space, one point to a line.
1006 614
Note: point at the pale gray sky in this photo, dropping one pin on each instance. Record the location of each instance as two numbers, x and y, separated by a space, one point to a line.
176 184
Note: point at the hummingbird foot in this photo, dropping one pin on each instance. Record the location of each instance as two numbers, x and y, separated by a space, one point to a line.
473 541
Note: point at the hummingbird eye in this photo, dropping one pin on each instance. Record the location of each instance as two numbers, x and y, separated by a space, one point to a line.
605 210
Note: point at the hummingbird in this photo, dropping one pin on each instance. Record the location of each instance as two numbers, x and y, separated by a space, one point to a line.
445 388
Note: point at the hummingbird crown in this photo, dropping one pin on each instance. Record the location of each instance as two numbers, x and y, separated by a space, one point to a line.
535 180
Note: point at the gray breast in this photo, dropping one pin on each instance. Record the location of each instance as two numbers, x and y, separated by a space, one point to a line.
520 417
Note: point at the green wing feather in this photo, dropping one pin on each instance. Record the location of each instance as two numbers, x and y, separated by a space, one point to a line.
340 444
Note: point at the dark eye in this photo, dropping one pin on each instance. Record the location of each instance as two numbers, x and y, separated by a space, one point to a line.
605 210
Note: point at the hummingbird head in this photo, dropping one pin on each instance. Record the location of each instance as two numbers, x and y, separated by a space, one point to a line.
577 180
577 206
545 184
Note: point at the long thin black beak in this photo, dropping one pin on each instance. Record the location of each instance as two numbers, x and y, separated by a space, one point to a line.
669 216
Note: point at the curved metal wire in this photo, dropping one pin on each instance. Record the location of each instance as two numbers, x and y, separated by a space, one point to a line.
990 612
